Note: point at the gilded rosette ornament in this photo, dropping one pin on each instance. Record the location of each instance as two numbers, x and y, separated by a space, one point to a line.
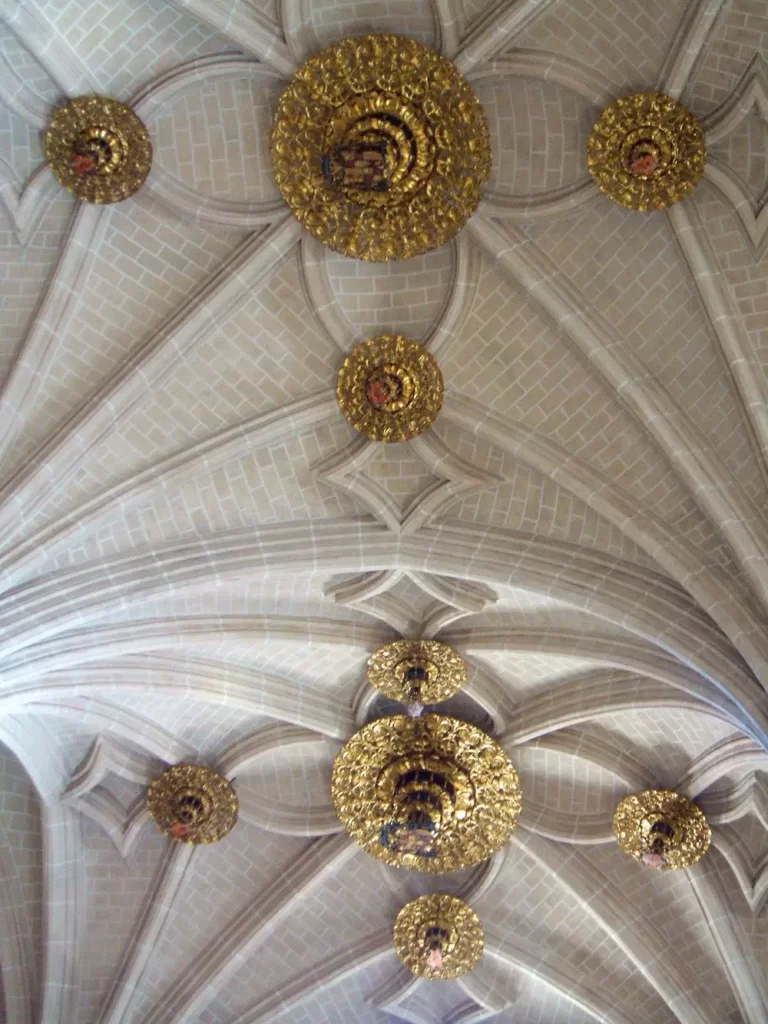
390 388
98 149
647 151
426 671
380 147
193 804
432 793
662 829
438 937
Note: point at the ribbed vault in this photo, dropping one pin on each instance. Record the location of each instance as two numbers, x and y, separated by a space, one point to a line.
198 555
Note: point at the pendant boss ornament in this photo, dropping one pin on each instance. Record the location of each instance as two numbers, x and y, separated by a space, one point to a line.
380 147
98 149
662 829
646 151
438 937
431 793
390 388
193 804
417 672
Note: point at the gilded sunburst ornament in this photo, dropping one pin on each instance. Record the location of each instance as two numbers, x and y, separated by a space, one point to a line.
431 793
380 147
98 149
423 671
438 937
662 829
193 804
647 151
390 388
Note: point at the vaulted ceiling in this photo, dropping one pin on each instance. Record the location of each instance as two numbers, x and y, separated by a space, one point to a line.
198 554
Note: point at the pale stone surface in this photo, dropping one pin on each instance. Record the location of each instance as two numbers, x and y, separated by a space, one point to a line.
198 555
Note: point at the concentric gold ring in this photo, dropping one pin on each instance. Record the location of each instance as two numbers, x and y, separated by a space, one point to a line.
449 774
390 388
671 820
380 147
390 670
193 804
646 152
442 925
98 149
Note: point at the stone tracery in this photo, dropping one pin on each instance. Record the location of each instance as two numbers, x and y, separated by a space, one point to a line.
115 671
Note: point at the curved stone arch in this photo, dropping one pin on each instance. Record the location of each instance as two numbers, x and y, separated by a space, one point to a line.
321 299
345 471
269 814
609 756
301 37
237 214
259 432
484 1005
84 234
27 206
553 202
746 979
712 602
498 30
158 93
299 32
556 975
685 53
544 66
245 27
52 52
602 900
682 443
621 593
704 771
197 985
72 659
61 845
159 903
168 190
583 829
748 796
751 875
730 334
25 740
465 273
18 97
562 569
753 219
245 752
59 457
448 25
706 583
66 650
330 971
16 968
730 755
593 695
257 693
631 654
105 756
114 720
308 822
